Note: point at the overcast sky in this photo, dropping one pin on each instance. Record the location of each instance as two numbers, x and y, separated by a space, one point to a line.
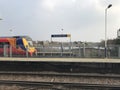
83 19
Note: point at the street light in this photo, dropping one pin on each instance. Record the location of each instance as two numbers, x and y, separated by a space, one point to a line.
110 5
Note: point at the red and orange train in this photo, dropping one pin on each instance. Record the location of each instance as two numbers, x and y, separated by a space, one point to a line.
18 45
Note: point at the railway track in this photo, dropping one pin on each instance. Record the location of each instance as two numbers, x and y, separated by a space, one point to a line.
62 74
62 77
58 85
60 81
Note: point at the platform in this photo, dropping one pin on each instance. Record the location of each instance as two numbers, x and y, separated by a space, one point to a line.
77 65
82 60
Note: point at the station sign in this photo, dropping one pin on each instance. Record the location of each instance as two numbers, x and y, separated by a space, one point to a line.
61 35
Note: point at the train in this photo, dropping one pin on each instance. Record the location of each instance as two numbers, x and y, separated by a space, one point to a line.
18 45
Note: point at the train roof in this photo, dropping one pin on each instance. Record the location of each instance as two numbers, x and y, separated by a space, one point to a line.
27 37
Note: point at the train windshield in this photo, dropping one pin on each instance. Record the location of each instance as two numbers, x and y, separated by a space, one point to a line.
30 42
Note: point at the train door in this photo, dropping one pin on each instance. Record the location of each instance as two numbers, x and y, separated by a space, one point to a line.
4 48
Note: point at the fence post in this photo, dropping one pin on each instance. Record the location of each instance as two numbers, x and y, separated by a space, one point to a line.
27 51
118 51
79 51
10 51
99 52
84 50
70 49
43 50
5 51
61 49
51 49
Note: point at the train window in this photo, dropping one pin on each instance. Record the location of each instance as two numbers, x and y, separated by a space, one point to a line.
30 43
29 40
4 43
1 45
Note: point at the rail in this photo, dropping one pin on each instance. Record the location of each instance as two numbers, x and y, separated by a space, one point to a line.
53 80
63 74
55 84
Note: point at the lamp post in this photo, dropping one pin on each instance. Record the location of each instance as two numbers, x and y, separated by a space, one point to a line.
110 5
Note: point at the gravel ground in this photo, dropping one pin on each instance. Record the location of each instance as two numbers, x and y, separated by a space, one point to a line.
14 87
91 80
3 87
71 79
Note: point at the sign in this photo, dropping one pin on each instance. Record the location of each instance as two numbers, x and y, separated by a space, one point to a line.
61 35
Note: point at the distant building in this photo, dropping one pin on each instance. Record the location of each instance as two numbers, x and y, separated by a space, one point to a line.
118 34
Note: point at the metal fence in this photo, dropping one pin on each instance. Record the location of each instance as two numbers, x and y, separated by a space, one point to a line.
78 50
65 50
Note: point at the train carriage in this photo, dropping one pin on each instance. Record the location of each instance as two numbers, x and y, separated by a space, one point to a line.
18 45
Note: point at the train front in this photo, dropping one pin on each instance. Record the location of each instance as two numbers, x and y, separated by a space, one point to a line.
26 44
29 45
